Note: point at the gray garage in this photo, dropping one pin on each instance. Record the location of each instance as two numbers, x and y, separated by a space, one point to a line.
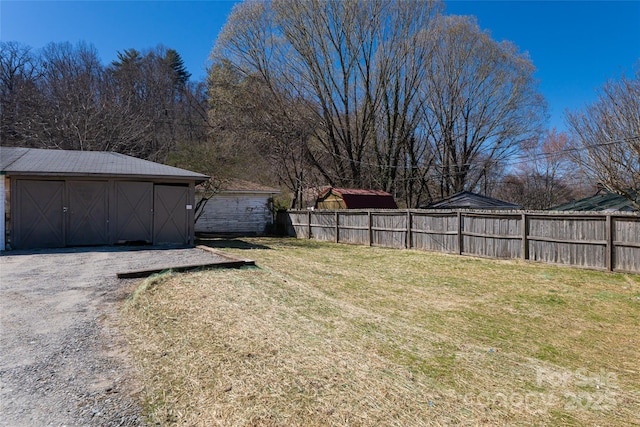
58 198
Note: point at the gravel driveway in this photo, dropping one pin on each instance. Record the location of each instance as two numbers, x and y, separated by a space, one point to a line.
62 361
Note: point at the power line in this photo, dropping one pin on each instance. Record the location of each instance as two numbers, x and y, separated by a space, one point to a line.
512 160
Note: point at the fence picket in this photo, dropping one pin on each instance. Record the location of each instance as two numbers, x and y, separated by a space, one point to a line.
602 241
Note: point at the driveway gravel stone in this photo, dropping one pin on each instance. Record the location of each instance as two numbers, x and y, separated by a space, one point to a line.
62 360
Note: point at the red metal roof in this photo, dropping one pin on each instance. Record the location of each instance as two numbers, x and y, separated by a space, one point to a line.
355 198
360 192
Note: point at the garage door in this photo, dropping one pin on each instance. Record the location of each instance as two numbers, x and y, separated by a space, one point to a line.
171 220
87 213
39 214
133 212
61 213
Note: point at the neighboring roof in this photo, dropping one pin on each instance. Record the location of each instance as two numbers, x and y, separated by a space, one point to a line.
241 186
469 200
358 192
603 201
43 162
361 199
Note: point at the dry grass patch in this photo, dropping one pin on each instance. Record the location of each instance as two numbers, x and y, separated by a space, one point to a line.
323 334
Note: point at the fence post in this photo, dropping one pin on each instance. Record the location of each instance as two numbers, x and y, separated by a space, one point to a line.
337 219
460 238
609 232
525 233
407 242
370 229
309 223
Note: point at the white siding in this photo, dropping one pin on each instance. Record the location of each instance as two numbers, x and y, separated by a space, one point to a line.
235 213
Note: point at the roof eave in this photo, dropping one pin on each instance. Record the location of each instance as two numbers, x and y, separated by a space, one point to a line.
196 179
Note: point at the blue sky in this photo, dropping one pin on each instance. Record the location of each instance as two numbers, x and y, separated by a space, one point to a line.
575 45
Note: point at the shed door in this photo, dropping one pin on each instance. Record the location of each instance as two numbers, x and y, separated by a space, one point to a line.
87 214
39 214
133 212
170 223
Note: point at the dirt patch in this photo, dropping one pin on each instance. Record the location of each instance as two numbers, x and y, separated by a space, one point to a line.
63 361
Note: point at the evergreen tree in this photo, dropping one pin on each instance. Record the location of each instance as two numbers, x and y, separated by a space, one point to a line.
128 57
174 60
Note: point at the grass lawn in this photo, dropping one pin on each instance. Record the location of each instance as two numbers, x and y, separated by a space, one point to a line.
320 334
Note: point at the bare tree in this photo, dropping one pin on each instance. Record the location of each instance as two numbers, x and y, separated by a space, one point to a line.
72 114
157 105
400 150
543 175
480 102
19 96
607 135
255 135
63 97
354 65
54 98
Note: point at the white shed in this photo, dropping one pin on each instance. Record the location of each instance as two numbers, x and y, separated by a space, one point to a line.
239 207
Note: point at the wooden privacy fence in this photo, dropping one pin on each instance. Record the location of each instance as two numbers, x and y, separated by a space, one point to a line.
603 241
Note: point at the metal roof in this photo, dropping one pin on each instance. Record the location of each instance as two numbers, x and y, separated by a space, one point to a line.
469 200
603 201
241 186
355 198
359 192
44 162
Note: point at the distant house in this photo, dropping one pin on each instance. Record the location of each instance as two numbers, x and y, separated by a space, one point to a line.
469 200
58 198
350 198
602 201
238 208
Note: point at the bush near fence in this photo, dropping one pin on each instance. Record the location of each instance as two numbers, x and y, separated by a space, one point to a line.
595 240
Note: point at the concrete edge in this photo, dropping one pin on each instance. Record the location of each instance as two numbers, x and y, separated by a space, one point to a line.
136 274
231 262
225 255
